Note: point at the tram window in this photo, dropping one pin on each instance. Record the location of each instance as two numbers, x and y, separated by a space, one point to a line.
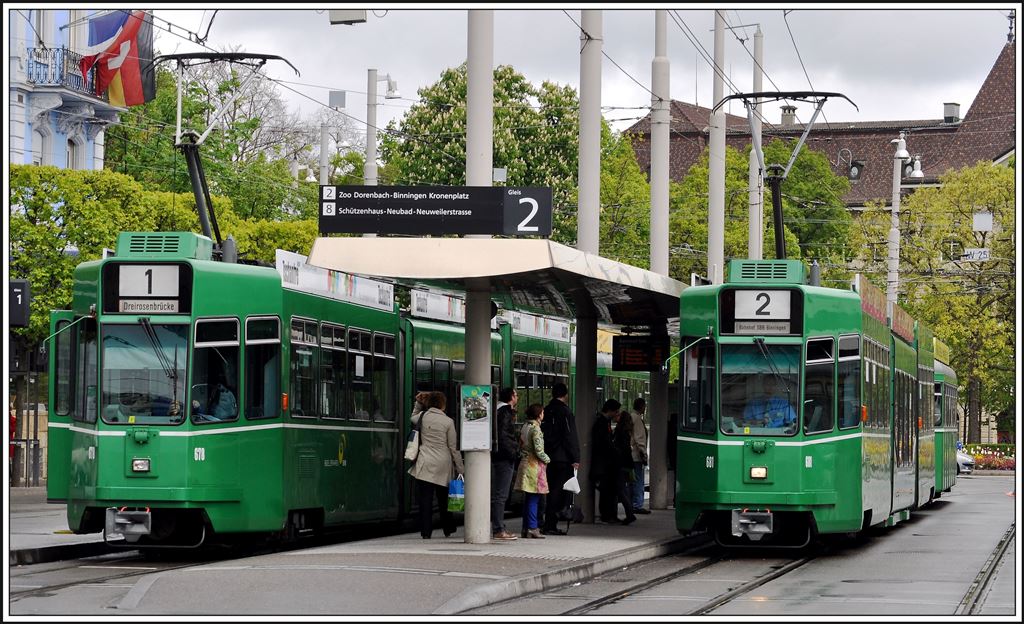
262 367
215 371
424 379
848 390
62 372
818 395
304 364
937 405
86 373
443 382
332 371
384 373
496 376
360 368
698 389
458 372
143 380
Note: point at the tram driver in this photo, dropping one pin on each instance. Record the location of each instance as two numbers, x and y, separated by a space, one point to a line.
769 408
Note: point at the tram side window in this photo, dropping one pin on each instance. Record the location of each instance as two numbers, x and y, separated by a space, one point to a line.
305 355
384 372
818 390
62 373
443 383
84 409
360 368
424 378
332 371
937 405
262 367
848 390
496 376
215 372
927 377
699 373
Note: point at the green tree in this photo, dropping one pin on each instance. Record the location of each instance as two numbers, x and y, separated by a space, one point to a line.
625 202
970 305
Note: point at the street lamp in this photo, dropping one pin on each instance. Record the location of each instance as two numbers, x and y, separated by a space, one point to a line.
893 277
370 167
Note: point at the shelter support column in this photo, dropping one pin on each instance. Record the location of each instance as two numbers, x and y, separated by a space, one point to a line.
658 439
478 372
585 396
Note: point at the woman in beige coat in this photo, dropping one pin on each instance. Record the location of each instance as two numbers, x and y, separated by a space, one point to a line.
433 467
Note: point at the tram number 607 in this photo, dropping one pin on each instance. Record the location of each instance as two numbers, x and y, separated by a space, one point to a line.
199 454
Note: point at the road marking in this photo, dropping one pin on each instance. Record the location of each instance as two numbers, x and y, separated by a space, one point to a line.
116 568
138 592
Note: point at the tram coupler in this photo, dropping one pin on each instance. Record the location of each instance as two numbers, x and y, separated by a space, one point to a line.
753 524
131 524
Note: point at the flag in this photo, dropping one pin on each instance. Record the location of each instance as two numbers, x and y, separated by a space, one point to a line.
121 49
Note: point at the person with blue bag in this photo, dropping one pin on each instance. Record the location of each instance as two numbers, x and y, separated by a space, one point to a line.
438 459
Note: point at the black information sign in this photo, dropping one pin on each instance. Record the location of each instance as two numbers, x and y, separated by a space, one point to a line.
18 298
435 210
639 353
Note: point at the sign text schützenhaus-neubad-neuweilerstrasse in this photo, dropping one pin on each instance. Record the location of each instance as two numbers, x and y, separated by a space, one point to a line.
435 210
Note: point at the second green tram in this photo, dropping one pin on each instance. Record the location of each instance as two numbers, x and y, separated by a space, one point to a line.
802 409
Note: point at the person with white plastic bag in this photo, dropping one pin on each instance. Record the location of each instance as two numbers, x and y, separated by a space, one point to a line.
437 462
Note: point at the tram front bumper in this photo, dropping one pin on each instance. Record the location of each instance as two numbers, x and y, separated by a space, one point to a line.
753 524
130 524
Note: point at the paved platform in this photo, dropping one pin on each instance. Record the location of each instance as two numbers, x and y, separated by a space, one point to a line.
399 574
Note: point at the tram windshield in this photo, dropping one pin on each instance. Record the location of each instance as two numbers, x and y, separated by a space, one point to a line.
760 389
144 373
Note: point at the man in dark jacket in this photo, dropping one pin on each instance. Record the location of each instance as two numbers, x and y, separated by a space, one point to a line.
504 455
563 446
603 462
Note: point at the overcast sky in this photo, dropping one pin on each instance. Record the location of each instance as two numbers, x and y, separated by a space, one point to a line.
894 64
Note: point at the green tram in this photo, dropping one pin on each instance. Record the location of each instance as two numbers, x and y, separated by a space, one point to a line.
194 398
801 409
946 423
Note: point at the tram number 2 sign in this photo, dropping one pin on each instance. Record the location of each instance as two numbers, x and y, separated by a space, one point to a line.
762 311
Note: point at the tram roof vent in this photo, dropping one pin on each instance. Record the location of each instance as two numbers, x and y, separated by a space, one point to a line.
164 245
773 271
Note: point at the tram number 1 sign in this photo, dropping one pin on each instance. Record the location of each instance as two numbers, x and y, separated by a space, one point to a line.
435 210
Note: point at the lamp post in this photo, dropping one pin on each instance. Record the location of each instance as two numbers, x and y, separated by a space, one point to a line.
893 277
370 167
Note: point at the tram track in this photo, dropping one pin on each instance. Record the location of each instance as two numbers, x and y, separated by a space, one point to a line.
707 606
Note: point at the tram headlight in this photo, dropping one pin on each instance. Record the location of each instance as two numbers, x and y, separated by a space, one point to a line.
140 465
758 472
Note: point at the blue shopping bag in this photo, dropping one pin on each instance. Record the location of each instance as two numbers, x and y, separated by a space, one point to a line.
457 494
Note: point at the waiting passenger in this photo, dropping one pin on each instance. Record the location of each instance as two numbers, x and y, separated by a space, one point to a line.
437 458
531 477
603 463
769 411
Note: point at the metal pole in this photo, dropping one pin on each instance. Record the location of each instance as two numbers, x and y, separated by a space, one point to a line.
370 166
755 230
191 152
588 219
716 164
479 172
660 120
892 281
584 397
657 416
324 144
775 183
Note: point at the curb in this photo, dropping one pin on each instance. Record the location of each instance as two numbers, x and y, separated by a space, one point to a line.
499 591
46 554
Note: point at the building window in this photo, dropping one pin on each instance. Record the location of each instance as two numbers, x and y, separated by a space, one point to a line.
40 148
74 153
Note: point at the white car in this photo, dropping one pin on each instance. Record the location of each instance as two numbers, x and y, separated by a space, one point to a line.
964 463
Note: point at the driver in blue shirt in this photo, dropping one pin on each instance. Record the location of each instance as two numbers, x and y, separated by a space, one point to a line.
769 411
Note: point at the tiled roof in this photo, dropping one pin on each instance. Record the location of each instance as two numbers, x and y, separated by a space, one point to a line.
986 133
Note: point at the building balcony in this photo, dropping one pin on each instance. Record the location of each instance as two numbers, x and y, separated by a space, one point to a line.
60 67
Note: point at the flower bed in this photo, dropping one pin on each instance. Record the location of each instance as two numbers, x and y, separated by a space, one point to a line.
993 456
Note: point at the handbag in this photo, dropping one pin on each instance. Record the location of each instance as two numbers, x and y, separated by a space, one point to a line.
457 494
412 447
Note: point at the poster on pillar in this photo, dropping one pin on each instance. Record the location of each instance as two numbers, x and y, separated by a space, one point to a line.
475 410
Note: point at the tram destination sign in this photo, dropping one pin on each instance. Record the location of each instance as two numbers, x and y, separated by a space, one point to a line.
435 210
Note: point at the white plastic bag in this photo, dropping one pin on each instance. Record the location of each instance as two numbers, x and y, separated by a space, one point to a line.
573 484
